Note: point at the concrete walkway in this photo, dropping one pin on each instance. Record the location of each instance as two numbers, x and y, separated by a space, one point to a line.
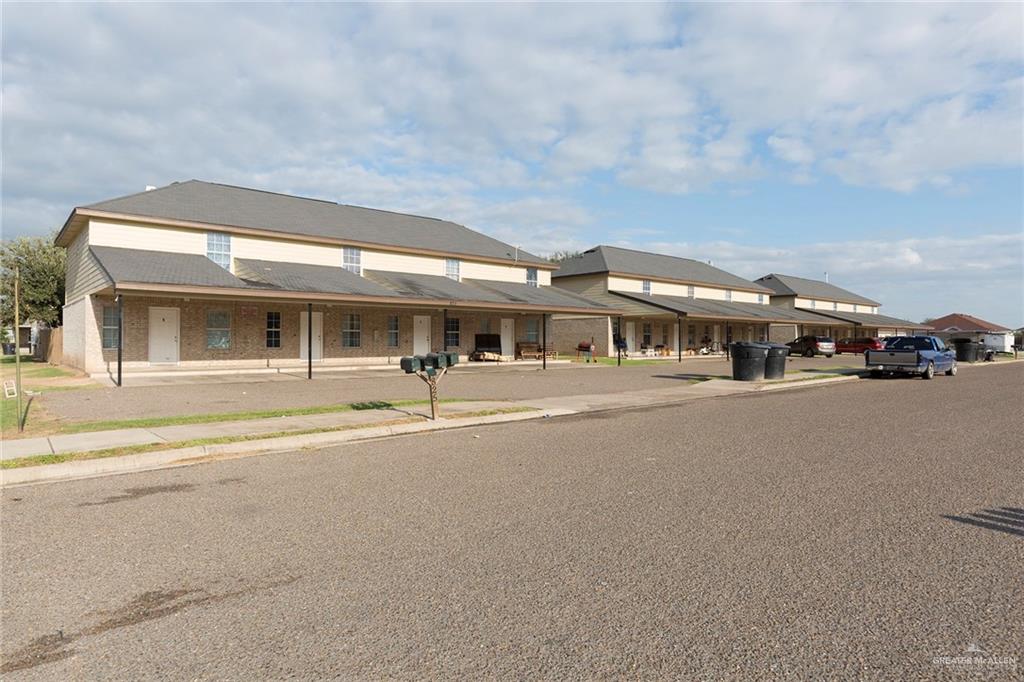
103 440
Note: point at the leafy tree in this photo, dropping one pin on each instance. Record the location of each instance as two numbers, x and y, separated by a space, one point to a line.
42 266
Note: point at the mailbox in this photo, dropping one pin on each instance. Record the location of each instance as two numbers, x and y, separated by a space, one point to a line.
412 364
453 359
436 360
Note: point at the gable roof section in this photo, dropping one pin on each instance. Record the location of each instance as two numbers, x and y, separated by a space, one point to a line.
218 205
616 260
872 320
965 323
724 310
789 285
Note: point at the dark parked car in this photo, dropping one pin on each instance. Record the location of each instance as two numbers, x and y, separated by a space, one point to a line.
921 355
809 346
858 345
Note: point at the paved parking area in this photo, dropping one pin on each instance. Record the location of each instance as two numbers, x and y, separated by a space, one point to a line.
733 538
287 391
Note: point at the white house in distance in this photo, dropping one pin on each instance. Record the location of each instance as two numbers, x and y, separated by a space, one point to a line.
660 295
210 276
848 314
962 326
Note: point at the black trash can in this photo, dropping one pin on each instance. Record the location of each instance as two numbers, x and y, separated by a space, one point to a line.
775 363
966 350
748 359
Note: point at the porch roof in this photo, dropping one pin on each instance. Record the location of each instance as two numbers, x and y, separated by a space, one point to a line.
725 310
873 320
177 273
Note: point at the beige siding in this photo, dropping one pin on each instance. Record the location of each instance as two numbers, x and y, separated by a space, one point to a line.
84 274
822 304
285 250
401 262
659 288
146 237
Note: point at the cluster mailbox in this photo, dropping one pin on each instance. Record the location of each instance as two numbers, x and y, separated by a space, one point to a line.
430 368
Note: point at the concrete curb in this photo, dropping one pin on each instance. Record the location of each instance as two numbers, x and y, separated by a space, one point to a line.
162 459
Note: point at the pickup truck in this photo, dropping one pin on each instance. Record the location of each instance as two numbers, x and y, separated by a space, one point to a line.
923 355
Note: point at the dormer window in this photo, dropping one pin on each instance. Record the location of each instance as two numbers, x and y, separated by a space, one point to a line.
451 269
728 294
647 287
218 248
352 259
531 277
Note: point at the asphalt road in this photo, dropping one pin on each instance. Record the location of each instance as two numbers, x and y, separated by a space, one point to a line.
860 530
192 395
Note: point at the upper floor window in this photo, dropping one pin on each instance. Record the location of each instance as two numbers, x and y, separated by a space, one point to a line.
451 268
218 248
647 287
835 306
531 277
690 291
728 294
352 259
854 307
760 298
813 304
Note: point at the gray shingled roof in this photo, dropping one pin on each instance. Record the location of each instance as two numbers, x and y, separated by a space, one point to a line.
873 320
726 310
653 265
227 205
312 278
136 266
160 267
788 285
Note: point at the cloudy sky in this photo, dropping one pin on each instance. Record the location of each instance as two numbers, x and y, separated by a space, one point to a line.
880 143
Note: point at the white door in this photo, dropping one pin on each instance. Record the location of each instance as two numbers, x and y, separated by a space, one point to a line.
508 336
631 337
163 335
318 336
420 334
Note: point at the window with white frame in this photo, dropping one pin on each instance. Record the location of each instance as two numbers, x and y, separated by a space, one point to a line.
218 248
760 298
352 259
273 330
531 277
854 307
813 302
392 331
451 268
690 291
351 330
835 306
109 327
218 330
532 330
451 332
728 294
646 287
646 340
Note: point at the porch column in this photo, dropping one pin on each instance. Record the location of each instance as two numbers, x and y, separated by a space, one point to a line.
544 341
309 340
679 337
444 329
120 335
618 344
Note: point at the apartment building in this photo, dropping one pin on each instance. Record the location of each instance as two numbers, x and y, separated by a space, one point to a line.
670 306
848 314
212 276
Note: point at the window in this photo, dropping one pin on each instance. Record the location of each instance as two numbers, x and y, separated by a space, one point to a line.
109 327
835 306
273 330
531 277
615 327
813 302
691 336
760 298
218 248
854 307
532 331
689 291
218 329
392 331
728 294
351 330
664 335
352 259
647 334
647 287
451 268
451 331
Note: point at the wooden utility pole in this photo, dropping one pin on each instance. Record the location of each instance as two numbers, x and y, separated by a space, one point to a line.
17 343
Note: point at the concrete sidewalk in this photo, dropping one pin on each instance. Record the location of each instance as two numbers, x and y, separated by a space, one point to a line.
103 440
